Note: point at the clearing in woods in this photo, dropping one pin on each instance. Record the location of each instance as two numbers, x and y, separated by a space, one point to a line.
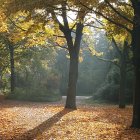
50 121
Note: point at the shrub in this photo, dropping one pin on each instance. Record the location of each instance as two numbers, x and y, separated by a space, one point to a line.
35 94
107 92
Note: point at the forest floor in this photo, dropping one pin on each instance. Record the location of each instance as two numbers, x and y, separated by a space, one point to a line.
50 121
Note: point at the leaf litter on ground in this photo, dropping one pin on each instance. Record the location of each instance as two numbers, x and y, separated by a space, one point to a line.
43 121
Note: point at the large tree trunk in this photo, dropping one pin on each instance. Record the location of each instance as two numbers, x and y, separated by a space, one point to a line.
123 77
73 76
12 66
122 86
136 101
136 55
73 68
73 43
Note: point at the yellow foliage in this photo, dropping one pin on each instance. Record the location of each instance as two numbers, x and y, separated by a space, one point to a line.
94 52
3 26
80 59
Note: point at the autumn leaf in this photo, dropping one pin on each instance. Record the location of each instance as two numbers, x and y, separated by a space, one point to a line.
41 121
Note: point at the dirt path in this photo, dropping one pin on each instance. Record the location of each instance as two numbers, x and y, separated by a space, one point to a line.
80 100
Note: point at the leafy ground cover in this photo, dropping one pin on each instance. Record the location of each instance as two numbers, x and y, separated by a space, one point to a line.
50 121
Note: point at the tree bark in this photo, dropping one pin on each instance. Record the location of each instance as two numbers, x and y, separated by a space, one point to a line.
73 43
12 67
136 100
73 68
123 67
73 76
136 61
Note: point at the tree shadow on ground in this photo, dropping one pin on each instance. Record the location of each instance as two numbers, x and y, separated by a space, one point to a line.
46 125
117 117
128 134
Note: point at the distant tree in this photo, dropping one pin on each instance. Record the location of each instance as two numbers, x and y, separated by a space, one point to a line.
4 63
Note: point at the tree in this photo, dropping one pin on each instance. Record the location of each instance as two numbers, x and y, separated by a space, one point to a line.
14 34
124 60
4 63
134 30
124 21
12 66
67 26
121 61
123 71
10 47
105 10
73 49
136 61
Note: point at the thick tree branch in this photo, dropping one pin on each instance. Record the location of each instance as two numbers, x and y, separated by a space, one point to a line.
107 18
107 60
112 21
64 16
57 21
59 36
98 21
118 13
94 26
63 47
116 46
73 26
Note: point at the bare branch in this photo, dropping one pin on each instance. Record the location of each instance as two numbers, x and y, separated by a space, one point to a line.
57 44
56 20
98 21
107 60
94 26
73 26
16 25
59 36
116 46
